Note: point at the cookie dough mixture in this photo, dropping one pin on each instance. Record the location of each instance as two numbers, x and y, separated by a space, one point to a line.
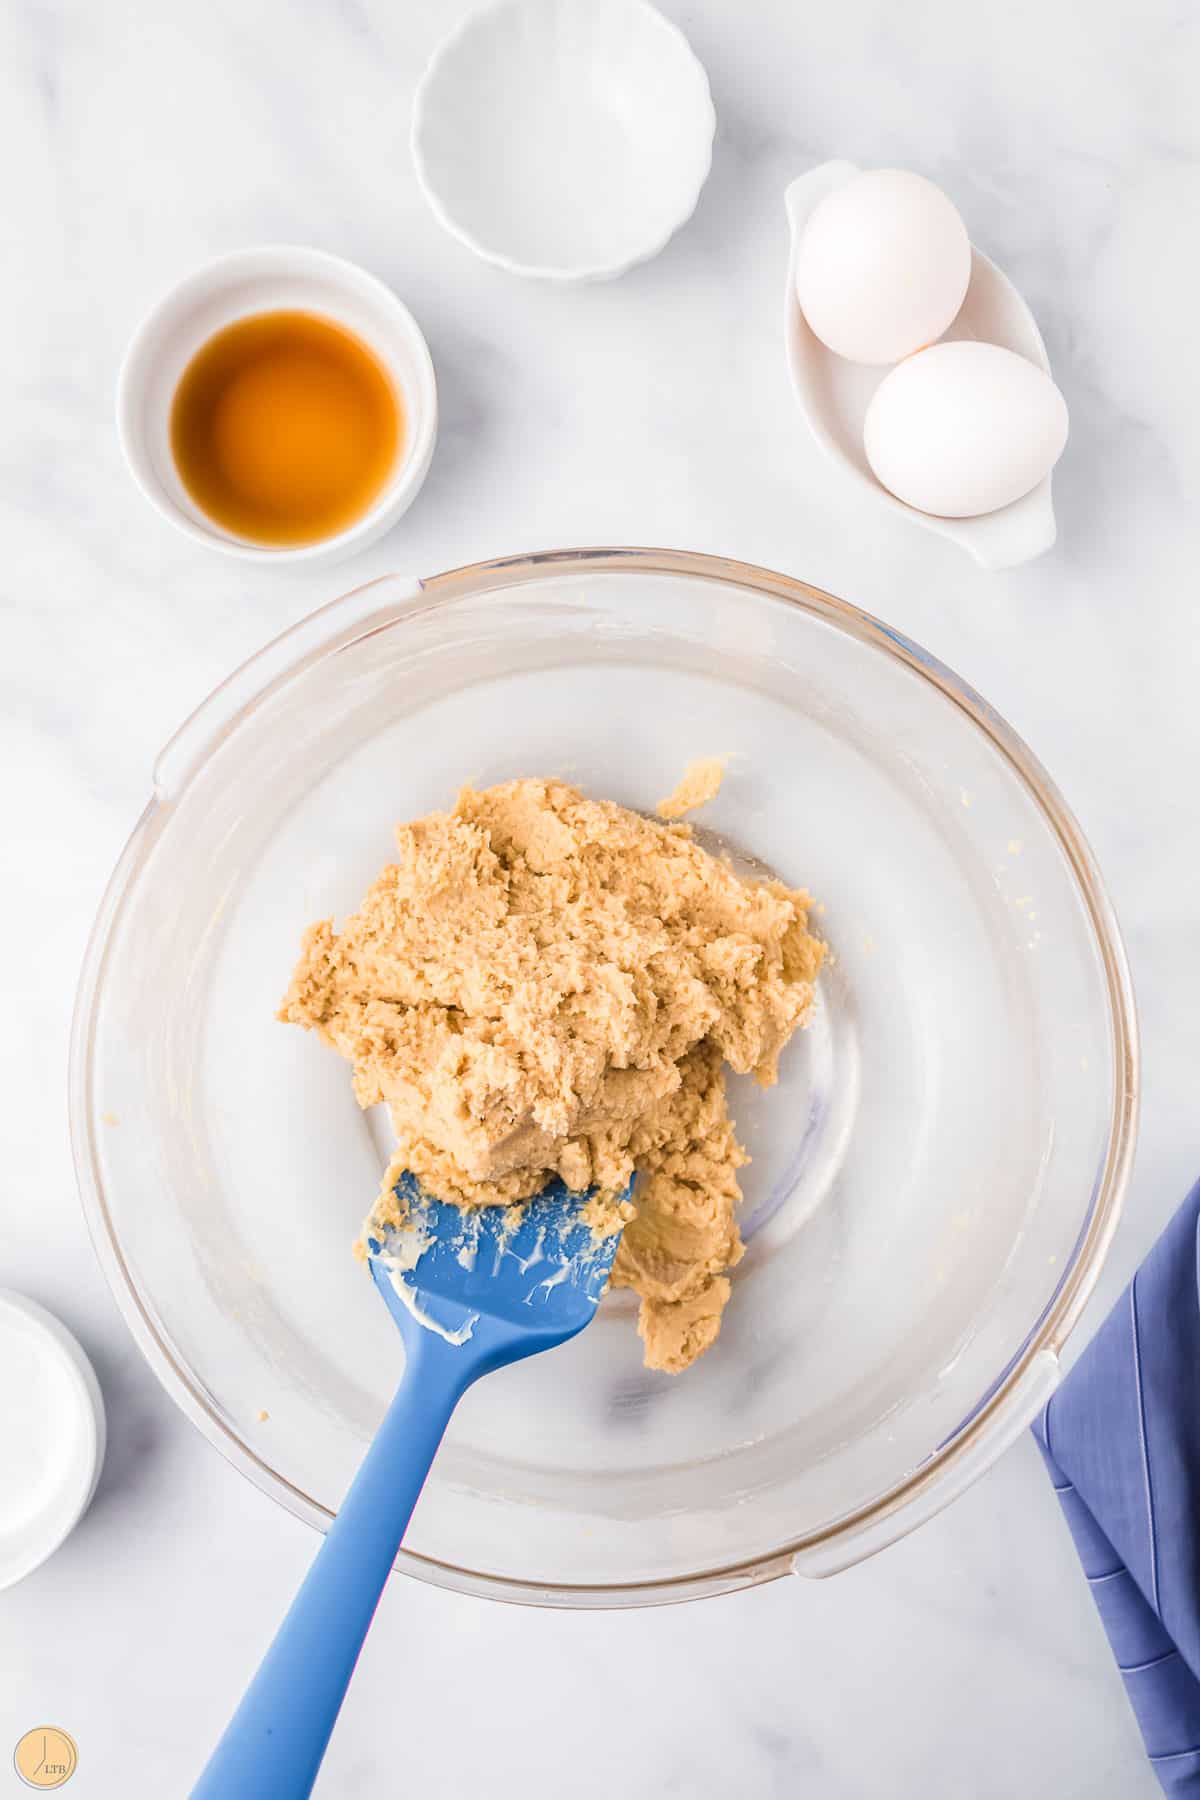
543 984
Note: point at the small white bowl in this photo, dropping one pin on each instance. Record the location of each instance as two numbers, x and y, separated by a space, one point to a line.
52 1415
567 139
834 394
275 278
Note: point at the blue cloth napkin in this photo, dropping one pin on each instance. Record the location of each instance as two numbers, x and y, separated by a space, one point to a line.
1121 1439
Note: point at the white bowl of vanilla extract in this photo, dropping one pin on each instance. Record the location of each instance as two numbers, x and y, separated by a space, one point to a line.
279 405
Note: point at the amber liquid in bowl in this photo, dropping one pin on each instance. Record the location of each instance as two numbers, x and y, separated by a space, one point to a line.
285 428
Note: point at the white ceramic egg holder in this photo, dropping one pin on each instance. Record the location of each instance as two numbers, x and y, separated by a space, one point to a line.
834 394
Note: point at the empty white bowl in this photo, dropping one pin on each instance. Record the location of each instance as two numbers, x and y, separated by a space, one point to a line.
52 1417
834 394
564 138
275 278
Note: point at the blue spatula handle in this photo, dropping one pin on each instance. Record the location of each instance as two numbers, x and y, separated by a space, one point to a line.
276 1739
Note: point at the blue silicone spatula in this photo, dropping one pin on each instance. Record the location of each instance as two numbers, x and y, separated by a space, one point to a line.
470 1293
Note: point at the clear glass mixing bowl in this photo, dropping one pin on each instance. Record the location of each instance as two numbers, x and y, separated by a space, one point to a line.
935 1181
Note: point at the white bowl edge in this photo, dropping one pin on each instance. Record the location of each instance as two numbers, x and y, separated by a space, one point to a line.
87 1426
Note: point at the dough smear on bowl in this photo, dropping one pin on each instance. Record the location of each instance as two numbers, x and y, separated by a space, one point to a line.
542 984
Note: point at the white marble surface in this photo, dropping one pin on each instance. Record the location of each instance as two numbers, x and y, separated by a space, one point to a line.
137 141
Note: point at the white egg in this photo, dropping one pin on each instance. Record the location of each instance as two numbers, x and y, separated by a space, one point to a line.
964 428
882 266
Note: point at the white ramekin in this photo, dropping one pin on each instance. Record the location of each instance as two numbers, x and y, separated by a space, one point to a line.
52 1407
269 279
564 139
